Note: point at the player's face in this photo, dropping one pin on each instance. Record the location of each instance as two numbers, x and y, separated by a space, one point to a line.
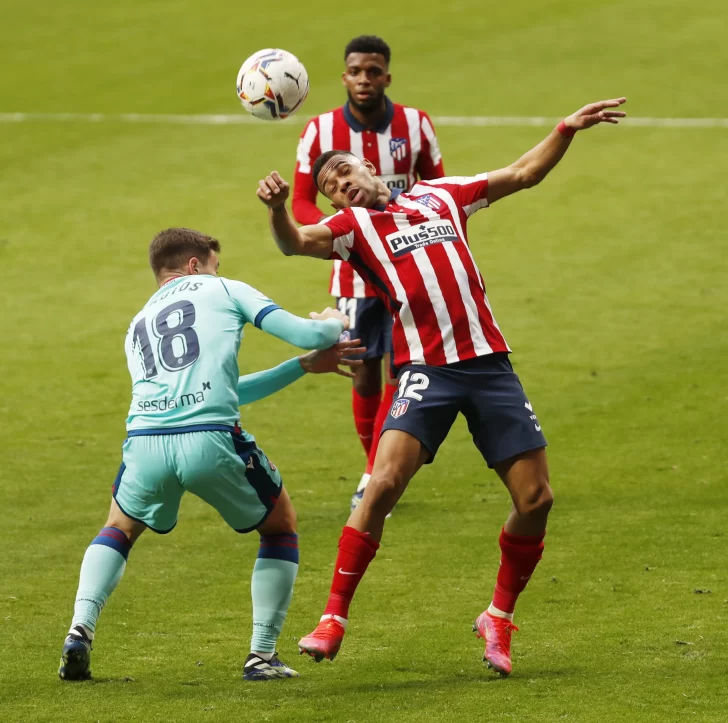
348 182
366 78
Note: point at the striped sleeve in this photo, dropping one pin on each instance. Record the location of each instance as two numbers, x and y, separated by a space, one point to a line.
309 147
303 203
470 192
342 228
429 163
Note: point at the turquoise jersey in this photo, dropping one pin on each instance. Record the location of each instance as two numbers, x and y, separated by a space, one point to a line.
182 352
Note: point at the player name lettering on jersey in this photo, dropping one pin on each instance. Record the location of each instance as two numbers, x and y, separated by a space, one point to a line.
430 232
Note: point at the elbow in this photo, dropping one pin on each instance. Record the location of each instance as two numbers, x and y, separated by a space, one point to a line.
287 247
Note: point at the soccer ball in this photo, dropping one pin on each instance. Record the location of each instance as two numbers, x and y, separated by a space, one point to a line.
272 84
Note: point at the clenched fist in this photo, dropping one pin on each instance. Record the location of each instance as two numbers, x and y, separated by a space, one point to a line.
273 191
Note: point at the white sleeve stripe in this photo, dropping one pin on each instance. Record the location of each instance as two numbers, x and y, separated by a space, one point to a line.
413 128
328 219
342 244
326 130
458 180
303 155
386 160
429 132
473 207
356 143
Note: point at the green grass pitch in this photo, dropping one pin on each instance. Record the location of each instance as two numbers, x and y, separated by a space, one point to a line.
609 281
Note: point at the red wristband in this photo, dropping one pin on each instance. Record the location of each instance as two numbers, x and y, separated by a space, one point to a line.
565 130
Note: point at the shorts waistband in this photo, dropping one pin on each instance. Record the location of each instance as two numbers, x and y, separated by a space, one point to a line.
157 431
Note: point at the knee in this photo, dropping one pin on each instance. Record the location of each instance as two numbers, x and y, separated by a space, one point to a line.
384 484
288 521
131 529
535 500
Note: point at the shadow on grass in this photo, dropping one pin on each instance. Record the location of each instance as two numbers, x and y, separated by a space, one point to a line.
461 680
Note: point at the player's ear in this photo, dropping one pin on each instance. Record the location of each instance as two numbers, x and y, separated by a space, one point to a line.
336 207
388 80
370 166
192 266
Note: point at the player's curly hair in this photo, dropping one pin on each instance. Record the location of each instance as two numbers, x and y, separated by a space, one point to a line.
368 44
172 248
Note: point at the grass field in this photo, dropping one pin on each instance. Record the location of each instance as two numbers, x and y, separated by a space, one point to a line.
609 281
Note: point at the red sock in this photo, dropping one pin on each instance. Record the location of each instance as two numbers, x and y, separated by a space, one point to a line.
356 551
382 412
365 411
519 557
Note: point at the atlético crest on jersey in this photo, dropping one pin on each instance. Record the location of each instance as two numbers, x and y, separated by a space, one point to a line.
399 407
398 148
431 201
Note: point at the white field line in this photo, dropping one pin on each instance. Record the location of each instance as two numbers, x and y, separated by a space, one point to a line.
242 118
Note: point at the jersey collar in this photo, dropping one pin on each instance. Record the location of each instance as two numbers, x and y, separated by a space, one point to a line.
393 195
382 126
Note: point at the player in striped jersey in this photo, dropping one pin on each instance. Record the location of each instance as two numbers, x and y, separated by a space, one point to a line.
400 142
452 358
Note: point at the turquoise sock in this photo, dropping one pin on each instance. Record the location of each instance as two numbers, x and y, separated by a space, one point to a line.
272 588
102 568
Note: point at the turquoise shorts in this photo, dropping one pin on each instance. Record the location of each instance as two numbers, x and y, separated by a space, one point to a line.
222 466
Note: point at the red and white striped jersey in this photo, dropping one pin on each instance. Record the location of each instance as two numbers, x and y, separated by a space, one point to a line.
403 148
415 254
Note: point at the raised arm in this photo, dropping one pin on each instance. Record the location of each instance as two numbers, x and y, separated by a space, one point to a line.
532 167
317 241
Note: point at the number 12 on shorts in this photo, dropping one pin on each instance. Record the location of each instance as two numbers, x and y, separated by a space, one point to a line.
410 385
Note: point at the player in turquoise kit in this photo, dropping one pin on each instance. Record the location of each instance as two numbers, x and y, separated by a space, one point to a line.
183 435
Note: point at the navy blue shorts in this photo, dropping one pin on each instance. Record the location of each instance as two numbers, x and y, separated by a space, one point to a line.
488 393
369 321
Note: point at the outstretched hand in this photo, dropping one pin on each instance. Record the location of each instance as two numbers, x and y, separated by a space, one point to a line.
329 313
273 191
595 113
334 359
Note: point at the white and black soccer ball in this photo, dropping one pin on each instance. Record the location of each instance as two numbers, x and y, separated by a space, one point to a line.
272 84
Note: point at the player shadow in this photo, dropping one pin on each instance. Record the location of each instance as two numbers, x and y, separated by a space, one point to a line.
122 680
462 680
